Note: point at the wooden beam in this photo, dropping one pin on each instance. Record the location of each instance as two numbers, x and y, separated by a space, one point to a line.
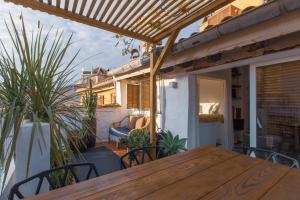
153 96
191 19
78 18
155 65
165 51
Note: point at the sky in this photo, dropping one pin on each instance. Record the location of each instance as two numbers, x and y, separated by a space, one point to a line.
97 47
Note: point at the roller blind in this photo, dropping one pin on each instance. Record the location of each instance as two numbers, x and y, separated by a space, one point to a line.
145 95
133 100
278 106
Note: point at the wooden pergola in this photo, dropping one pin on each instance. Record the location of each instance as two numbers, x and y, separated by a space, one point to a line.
147 20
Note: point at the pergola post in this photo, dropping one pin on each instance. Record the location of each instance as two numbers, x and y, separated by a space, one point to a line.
155 65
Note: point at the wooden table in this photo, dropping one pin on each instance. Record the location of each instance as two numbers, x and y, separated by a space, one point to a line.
203 173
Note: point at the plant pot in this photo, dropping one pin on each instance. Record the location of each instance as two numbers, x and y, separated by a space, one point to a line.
90 137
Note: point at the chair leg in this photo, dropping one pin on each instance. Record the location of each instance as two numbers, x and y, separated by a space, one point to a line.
117 144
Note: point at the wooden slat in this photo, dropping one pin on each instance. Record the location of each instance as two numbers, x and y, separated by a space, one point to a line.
171 18
121 177
66 5
82 7
125 16
168 14
88 14
108 5
125 5
286 188
200 184
143 15
137 10
148 184
58 3
81 19
142 26
113 11
192 9
250 185
98 9
196 16
74 6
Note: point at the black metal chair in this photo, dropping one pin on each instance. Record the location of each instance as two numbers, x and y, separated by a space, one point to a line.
56 178
137 157
273 157
285 160
259 153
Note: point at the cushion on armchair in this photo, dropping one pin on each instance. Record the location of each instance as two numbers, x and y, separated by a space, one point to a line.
119 131
140 123
132 121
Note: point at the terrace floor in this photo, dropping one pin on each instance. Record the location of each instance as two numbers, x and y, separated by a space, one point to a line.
112 146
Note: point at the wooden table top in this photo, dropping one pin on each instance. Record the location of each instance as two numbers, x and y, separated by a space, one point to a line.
203 173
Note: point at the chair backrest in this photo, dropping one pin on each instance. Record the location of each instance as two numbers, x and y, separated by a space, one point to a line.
259 153
136 157
56 178
273 157
286 160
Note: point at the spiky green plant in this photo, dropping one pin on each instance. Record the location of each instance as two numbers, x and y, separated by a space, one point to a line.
171 145
34 85
90 101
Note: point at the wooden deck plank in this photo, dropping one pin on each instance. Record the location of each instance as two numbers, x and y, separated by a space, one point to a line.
250 185
121 177
148 184
199 185
287 188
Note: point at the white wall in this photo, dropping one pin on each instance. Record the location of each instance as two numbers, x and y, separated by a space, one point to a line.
177 106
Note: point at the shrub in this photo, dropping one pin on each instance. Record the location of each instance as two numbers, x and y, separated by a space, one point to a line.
136 139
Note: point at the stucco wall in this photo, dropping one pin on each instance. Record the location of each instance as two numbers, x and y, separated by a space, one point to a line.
177 107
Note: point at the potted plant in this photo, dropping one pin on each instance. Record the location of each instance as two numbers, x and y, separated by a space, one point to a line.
89 119
171 145
35 78
136 139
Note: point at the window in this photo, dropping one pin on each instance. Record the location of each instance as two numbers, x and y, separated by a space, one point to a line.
133 96
145 95
211 99
101 100
113 98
